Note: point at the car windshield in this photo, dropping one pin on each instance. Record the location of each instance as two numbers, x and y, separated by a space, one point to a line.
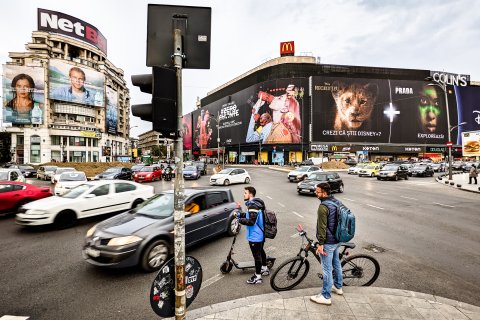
137 167
390 167
370 166
302 169
62 170
73 176
159 207
77 191
191 168
226 171
4 175
317 176
418 167
113 170
360 166
147 169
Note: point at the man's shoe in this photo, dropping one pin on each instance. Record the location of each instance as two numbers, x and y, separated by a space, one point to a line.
265 272
255 280
337 291
321 300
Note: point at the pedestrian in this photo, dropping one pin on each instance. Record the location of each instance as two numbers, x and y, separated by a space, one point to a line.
253 220
329 247
473 174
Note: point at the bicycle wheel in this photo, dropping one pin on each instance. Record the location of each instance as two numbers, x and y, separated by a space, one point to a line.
360 270
289 274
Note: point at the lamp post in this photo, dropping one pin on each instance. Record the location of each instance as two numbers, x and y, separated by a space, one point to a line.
217 120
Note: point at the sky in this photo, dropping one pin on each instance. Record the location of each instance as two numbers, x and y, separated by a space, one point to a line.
441 35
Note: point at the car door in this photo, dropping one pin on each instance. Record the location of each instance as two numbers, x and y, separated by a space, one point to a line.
233 177
123 196
331 181
196 224
241 175
218 211
8 196
97 201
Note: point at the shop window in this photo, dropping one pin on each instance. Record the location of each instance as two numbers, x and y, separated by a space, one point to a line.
35 149
56 156
78 156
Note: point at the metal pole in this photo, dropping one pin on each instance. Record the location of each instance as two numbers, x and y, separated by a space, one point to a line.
444 87
179 205
218 137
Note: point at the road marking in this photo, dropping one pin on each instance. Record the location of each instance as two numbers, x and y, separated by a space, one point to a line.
381 193
297 214
269 197
211 281
444 205
261 192
349 199
371 205
7 317
408 198
282 205
295 235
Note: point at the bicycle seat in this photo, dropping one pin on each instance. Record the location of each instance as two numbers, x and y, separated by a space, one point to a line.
349 245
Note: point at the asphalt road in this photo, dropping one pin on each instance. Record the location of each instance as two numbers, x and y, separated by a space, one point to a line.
427 234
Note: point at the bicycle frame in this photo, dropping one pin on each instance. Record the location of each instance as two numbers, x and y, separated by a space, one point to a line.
311 246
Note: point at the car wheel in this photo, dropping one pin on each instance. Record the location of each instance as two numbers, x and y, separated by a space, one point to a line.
233 227
372 175
136 203
406 177
247 180
154 255
65 219
396 178
226 182
341 188
378 178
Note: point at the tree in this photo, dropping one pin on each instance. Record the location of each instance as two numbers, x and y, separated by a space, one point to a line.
159 151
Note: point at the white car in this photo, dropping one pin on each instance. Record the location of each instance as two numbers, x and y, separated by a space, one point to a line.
59 171
302 172
231 175
11 175
86 200
69 180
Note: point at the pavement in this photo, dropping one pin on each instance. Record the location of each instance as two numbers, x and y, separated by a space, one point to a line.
460 181
355 304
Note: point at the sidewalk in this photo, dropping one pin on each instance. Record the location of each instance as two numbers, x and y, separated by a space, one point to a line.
460 181
356 303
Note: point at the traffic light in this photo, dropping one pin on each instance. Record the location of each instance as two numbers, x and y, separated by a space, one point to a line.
162 111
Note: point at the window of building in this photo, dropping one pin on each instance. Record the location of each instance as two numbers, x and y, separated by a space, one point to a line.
78 141
56 155
95 156
35 149
56 140
78 156
20 140
94 142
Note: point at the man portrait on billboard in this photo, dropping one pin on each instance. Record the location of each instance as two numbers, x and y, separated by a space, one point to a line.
112 113
429 109
76 91
260 126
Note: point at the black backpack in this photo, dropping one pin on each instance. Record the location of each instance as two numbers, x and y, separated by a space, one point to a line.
270 223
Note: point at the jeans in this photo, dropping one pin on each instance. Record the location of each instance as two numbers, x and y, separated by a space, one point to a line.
331 259
472 178
259 255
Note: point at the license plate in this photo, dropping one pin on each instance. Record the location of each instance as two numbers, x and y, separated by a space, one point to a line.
305 190
141 178
92 252
291 178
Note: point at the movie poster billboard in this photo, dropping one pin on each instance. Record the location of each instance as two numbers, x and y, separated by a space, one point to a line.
378 111
468 107
187 131
267 113
71 83
23 94
111 120
471 144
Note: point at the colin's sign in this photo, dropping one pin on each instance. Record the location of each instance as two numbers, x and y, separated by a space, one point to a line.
453 79
57 22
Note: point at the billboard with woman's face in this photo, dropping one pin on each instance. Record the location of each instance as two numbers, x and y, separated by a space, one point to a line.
187 131
71 83
23 94
111 121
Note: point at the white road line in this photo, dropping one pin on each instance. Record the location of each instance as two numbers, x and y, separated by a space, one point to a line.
444 205
297 214
269 197
211 281
7 317
371 205
408 198
349 199
281 205
381 193
294 235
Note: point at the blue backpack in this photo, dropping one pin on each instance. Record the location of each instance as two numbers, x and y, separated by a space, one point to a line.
345 228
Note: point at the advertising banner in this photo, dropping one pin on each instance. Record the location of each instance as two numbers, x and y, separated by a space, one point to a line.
468 106
23 94
187 131
471 143
378 111
266 113
75 84
111 120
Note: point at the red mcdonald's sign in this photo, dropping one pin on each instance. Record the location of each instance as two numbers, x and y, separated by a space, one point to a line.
287 48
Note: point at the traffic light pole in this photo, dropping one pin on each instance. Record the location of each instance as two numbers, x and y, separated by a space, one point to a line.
179 205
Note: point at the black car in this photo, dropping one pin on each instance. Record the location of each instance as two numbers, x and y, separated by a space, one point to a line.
439 167
27 171
424 170
351 161
144 236
307 186
202 166
393 172
115 173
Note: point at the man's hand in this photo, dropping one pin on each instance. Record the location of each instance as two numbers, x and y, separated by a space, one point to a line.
320 251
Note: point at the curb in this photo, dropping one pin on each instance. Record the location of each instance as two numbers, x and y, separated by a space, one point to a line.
455 185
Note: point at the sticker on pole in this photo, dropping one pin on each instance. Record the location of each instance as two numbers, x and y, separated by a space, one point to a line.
162 293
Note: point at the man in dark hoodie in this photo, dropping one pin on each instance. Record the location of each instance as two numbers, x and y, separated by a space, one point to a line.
253 220
329 247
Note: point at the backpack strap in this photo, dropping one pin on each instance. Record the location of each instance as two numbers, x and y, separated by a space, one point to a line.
256 221
336 206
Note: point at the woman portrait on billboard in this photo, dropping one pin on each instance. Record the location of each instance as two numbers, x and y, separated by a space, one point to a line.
22 103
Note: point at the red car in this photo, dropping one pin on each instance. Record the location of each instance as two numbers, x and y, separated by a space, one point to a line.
148 173
15 194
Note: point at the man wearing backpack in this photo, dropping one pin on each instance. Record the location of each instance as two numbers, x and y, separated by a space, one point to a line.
329 246
253 220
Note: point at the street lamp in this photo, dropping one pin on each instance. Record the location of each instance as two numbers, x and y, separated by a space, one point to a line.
218 135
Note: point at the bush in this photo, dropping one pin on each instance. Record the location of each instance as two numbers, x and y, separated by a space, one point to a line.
334 165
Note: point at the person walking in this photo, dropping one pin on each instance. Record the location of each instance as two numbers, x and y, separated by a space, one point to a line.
253 220
473 174
329 247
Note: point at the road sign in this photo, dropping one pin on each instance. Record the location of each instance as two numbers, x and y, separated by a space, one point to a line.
449 144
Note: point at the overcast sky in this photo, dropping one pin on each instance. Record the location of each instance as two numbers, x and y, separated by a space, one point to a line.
429 34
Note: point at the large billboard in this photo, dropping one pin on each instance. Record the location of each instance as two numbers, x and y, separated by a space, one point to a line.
71 83
379 111
468 106
111 120
471 144
267 113
187 131
23 94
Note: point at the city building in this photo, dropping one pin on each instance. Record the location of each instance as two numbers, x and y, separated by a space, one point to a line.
74 103
147 141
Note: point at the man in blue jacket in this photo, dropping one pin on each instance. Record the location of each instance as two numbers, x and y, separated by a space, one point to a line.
253 220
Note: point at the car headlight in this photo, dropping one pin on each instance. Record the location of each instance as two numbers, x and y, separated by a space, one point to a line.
121 241
391 173
149 175
298 184
90 232
299 175
36 211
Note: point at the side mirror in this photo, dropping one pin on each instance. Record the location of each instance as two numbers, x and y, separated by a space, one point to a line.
90 196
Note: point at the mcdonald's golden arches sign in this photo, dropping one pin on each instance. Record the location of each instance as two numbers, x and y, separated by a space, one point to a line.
287 48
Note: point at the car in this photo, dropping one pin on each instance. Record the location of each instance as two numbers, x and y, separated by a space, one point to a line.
144 236
393 171
202 165
192 172
44 172
115 173
422 170
13 195
59 171
439 167
307 186
301 173
69 180
468 165
351 161
28 171
370 170
11 175
356 168
230 175
148 173
308 162
137 168
457 165
86 200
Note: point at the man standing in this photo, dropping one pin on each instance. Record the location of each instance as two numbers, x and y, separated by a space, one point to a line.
328 248
253 220
76 92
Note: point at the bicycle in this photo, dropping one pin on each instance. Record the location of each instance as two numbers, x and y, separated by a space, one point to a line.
354 268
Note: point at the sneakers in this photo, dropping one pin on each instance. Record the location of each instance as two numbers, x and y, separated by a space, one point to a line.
337 291
265 271
255 279
321 300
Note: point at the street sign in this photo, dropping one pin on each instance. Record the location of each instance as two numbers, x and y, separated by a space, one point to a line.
449 144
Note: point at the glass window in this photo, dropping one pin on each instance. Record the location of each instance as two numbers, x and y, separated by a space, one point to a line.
6 188
17 187
56 155
13 176
95 156
35 149
56 140
78 141
77 191
101 191
159 206
124 187
77 156
216 199
94 142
